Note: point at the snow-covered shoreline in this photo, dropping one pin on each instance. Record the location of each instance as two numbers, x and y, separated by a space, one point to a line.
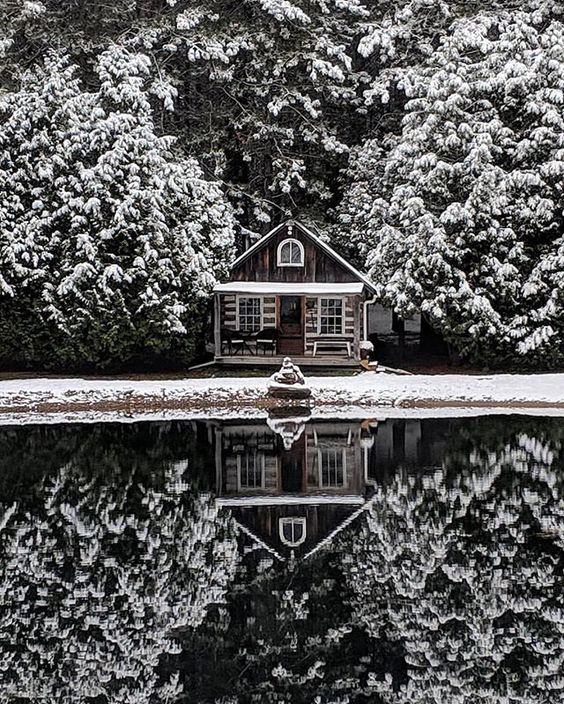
60 400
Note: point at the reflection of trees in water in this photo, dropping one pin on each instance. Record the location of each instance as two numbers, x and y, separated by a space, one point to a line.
448 589
286 637
30 453
98 578
456 565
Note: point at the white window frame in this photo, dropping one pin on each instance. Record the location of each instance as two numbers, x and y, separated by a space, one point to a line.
344 309
336 450
290 240
238 317
260 465
299 520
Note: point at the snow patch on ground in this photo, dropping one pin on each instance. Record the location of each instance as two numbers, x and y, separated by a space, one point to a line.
365 395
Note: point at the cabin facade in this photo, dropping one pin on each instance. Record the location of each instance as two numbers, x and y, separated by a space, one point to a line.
291 294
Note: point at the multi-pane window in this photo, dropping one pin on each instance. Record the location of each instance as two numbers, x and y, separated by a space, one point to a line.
332 466
251 470
331 316
290 253
250 314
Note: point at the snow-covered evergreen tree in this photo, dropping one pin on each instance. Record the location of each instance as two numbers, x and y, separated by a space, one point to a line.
111 237
460 214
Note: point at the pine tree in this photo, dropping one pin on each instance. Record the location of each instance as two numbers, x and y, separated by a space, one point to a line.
112 237
460 214
454 564
99 578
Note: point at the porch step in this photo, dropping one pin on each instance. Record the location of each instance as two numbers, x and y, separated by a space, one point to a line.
276 360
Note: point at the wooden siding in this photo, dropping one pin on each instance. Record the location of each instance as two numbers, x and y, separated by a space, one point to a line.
269 312
228 310
318 265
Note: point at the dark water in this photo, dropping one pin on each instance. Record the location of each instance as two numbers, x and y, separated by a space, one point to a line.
404 561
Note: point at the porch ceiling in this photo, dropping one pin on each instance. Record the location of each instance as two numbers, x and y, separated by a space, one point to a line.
273 288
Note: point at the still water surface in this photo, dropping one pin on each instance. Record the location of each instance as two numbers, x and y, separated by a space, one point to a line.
298 560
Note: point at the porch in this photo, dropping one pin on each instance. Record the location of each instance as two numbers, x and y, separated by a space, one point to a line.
261 323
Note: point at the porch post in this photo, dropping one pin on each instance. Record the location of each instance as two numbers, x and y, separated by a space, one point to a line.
217 325
357 306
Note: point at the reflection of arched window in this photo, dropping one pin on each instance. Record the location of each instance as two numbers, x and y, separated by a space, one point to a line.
290 253
292 530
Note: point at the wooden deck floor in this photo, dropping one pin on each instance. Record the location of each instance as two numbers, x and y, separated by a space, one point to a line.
276 360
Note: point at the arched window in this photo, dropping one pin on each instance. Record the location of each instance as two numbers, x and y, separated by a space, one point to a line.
292 531
290 253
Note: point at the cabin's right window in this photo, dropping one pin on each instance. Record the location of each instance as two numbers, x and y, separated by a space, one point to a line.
330 316
250 314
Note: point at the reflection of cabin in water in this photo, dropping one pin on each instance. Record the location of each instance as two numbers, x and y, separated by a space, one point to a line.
294 484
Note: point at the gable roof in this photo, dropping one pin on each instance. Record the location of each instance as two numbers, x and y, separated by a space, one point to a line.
316 240
361 506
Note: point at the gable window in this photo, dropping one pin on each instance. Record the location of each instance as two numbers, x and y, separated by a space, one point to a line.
330 316
250 314
292 530
290 253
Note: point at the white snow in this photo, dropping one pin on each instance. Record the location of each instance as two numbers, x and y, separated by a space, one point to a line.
275 287
366 394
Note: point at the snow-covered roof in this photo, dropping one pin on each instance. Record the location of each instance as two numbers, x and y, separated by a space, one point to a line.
318 241
329 538
287 500
273 287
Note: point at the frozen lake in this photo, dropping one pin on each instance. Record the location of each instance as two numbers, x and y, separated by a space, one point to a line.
299 560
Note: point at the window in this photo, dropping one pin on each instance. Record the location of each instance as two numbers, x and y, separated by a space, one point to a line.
250 469
290 253
250 314
330 316
292 531
331 466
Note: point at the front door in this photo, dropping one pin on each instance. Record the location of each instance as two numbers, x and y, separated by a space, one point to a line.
291 463
291 325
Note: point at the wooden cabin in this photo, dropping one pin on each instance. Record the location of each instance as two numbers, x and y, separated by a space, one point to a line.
291 294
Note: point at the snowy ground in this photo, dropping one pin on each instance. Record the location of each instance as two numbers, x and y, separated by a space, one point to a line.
38 400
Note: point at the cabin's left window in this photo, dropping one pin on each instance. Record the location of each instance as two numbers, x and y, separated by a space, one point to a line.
250 470
250 314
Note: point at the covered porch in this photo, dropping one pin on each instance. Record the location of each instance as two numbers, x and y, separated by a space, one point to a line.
262 322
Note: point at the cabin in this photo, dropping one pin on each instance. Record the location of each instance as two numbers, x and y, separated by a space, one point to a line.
291 294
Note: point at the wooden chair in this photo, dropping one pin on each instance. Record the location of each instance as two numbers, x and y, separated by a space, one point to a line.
267 339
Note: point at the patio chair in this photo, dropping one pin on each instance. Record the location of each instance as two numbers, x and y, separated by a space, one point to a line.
233 340
267 339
